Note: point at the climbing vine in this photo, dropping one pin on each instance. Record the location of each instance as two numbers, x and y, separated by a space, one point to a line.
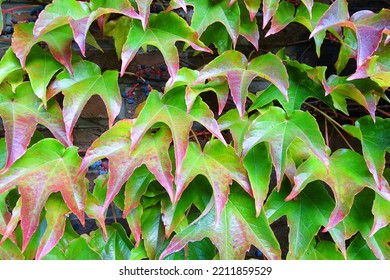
191 182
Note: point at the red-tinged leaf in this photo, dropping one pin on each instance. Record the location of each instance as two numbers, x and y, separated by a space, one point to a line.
5 218
45 168
237 230
280 131
269 10
12 224
21 112
248 26
240 73
367 25
134 221
208 12
171 110
41 67
9 64
375 139
347 176
59 42
115 145
284 15
80 87
144 10
376 67
152 230
305 216
56 211
96 211
99 9
219 164
160 34
251 5
176 4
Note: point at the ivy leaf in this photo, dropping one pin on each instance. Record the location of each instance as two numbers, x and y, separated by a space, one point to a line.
324 250
152 230
79 249
381 214
248 26
10 251
301 88
161 35
116 246
283 16
240 73
45 168
5 217
252 6
55 217
12 223
375 138
144 11
359 250
115 145
366 24
219 164
171 110
347 176
208 12
41 68
80 87
236 231
59 42
118 29
134 220
280 131
21 112
9 64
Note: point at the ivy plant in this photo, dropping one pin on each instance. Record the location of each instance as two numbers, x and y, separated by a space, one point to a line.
190 182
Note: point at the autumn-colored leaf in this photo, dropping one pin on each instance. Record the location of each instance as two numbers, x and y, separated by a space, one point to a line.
252 6
279 131
375 138
240 73
160 34
368 26
171 110
236 231
55 217
12 223
80 87
45 168
115 146
347 176
219 164
248 26
144 11
21 112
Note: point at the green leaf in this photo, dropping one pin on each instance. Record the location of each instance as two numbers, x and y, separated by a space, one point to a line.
375 138
324 250
117 246
237 230
115 144
305 215
359 250
171 110
152 230
280 130
3 153
284 15
219 164
208 12
21 112
252 7
9 64
160 34
78 88
10 251
240 73
41 67
80 250
347 176
56 209
258 163
59 42
45 168
118 29
134 220
301 88
217 35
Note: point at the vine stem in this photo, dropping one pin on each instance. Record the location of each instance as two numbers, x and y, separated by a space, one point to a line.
196 137
335 124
